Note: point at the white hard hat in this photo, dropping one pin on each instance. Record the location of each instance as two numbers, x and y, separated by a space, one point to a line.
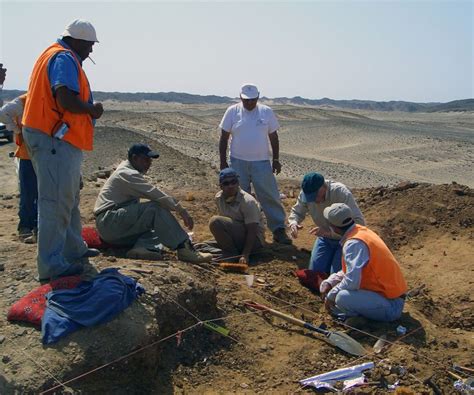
80 30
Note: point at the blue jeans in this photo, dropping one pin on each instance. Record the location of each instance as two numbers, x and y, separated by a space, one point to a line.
326 254
58 168
369 304
260 174
28 212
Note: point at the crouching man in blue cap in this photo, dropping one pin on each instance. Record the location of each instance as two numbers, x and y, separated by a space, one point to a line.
317 194
239 229
121 218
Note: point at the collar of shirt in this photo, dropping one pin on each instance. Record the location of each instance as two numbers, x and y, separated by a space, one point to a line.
238 197
346 234
127 163
63 44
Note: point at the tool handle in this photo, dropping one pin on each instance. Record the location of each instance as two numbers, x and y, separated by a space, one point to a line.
241 267
455 376
465 368
289 318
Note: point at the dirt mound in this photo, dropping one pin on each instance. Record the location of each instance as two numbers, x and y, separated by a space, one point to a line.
408 210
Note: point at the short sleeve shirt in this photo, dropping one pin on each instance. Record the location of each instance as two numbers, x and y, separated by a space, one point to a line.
244 209
249 131
63 71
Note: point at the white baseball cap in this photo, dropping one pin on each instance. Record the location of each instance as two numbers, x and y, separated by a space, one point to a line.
249 91
338 214
80 29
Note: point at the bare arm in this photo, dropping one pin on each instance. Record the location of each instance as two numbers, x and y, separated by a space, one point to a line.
275 143
70 102
223 142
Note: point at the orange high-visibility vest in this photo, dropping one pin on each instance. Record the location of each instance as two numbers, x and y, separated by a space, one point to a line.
44 113
21 151
382 273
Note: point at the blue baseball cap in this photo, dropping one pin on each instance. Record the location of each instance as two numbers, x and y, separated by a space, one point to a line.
310 185
142 149
228 172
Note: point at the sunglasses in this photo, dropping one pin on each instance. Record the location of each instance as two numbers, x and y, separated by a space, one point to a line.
231 182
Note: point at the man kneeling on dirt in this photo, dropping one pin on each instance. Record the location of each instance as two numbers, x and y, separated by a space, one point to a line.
121 218
371 283
317 194
239 227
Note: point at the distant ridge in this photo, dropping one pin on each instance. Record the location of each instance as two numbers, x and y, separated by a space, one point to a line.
187 98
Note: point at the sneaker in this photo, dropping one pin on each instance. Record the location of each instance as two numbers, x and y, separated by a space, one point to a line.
33 239
280 237
143 253
189 254
24 233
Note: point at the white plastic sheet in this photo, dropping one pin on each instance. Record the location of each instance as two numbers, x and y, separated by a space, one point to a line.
351 373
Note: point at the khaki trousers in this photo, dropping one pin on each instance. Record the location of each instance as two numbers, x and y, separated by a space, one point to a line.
230 235
144 225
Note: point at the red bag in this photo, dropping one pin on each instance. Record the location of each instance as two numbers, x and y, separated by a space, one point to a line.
92 238
30 308
311 279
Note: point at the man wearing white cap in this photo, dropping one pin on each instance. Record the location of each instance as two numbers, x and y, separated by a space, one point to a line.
371 283
58 124
254 141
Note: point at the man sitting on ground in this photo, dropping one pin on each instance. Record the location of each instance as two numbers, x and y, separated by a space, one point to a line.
317 194
239 228
371 283
122 219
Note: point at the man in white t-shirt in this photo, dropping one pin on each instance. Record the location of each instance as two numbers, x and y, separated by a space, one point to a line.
253 128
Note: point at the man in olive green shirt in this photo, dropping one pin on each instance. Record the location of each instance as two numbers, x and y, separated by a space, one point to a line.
239 229
123 220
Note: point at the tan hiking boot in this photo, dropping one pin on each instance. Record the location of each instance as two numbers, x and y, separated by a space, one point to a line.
189 254
143 253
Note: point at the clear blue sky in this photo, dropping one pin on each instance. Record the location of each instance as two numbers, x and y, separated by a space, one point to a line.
378 50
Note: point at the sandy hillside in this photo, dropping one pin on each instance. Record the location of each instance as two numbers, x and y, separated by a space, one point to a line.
429 228
357 148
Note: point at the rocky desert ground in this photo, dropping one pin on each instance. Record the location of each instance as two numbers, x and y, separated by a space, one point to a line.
412 175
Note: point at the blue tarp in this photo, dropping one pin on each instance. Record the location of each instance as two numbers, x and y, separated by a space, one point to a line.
91 303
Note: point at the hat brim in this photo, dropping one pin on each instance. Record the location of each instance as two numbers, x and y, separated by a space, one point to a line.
153 154
310 197
246 97
326 213
229 177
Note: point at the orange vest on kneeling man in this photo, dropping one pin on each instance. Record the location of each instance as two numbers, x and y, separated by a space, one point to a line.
381 274
42 110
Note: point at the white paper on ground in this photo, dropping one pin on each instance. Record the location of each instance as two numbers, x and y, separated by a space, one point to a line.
339 374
